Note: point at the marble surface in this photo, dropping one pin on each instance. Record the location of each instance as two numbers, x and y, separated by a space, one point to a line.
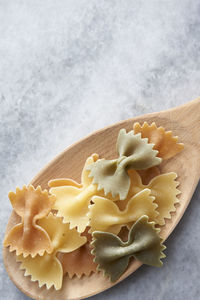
70 67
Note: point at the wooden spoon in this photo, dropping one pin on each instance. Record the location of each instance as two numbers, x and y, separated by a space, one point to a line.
184 121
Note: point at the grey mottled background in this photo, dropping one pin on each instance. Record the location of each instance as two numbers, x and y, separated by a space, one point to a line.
68 68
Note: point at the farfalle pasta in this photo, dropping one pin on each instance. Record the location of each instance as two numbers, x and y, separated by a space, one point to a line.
28 237
134 153
72 202
47 269
113 255
166 144
163 187
113 215
106 216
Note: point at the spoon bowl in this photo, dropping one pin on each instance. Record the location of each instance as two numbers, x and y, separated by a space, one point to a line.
183 121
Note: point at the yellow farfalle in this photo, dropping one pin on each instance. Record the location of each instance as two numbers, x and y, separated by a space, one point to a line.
27 237
163 187
105 215
72 201
47 269
166 144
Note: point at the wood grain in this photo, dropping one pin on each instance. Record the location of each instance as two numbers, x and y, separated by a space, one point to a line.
184 121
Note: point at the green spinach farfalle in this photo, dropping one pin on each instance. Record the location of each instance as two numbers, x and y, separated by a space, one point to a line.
134 153
112 254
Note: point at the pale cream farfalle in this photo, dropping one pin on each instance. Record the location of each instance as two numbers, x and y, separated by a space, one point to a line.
72 201
163 187
105 215
47 269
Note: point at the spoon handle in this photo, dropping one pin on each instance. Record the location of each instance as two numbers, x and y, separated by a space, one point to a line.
188 117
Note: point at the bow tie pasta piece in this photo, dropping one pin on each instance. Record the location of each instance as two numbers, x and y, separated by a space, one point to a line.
72 201
164 141
79 262
47 269
134 153
113 255
106 216
28 237
163 187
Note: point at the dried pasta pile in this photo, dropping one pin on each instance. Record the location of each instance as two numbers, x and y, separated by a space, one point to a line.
76 229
